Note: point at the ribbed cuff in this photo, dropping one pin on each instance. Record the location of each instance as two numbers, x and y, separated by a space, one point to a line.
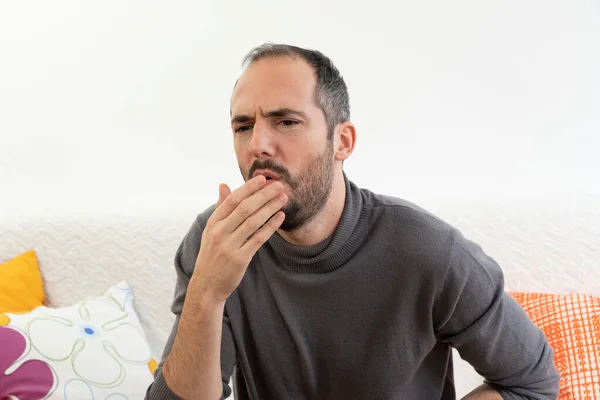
159 389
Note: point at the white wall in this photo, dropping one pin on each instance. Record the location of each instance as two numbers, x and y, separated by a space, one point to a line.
125 104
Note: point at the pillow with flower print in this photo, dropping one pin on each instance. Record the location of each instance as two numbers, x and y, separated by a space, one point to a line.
94 349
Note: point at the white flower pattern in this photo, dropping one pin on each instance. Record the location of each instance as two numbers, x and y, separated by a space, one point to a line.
94 332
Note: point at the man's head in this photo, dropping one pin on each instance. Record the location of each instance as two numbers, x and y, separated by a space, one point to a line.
290 119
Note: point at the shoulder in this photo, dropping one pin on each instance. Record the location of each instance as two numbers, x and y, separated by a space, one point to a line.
413 234
394 205
405 218
422 239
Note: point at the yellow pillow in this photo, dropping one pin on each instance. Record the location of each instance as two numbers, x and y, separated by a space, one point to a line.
571 322
21 288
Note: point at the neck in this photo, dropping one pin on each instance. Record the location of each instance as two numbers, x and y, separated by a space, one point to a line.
326 221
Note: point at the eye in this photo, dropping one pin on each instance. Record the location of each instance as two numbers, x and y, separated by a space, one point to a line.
288 122
242 128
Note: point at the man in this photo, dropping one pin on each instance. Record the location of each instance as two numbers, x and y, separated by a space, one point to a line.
312 288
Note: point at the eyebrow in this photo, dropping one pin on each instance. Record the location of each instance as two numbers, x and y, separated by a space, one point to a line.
277 113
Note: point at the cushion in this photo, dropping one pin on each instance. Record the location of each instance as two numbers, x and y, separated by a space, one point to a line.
571 322
21 288
94 349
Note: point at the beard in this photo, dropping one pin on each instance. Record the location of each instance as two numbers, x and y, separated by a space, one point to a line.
311 187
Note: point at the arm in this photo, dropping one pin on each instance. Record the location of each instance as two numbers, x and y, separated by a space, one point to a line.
193 368
162 388
490 330
216 258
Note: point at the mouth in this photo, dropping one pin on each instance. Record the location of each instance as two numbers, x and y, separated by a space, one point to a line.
269 175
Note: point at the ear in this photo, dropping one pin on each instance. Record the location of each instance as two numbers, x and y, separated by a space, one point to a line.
344 140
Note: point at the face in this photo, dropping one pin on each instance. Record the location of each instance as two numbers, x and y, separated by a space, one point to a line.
279 131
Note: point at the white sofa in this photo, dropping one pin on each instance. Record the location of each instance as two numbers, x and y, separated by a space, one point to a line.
540 247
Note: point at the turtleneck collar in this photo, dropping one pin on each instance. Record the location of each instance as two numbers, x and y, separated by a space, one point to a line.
332 252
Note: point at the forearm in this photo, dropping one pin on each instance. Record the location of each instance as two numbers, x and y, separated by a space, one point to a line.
483 392
193 368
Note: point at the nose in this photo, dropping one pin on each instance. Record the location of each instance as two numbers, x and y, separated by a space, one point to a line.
262 142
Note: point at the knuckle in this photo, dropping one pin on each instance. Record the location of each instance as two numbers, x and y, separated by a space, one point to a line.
251 223
259 237
233 199
209 224
243 209
217 235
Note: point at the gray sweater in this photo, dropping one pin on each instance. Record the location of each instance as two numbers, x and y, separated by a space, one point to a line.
372 312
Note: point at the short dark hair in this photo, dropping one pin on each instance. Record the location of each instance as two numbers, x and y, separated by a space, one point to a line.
331 93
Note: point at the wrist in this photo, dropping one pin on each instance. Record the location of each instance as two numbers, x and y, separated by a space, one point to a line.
201 293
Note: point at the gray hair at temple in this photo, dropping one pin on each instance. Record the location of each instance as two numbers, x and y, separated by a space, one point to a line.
331 93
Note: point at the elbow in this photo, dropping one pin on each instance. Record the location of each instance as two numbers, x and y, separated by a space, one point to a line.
552 386
547 389
539 382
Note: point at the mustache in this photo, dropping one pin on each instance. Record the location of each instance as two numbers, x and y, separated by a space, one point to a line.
270 165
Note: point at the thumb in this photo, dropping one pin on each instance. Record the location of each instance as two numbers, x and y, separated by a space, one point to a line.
224 192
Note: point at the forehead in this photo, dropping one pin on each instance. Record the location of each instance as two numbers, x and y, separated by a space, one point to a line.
272 83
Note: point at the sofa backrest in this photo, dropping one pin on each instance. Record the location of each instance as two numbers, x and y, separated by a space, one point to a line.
540 249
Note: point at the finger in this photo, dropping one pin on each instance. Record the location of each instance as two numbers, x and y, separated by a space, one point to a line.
237 196
248 207
263 234
224 191
248 227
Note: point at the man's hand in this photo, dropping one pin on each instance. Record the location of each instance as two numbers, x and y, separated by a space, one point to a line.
242 222
483 392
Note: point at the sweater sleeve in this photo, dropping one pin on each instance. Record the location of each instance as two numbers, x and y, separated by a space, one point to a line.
185 261
473 313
